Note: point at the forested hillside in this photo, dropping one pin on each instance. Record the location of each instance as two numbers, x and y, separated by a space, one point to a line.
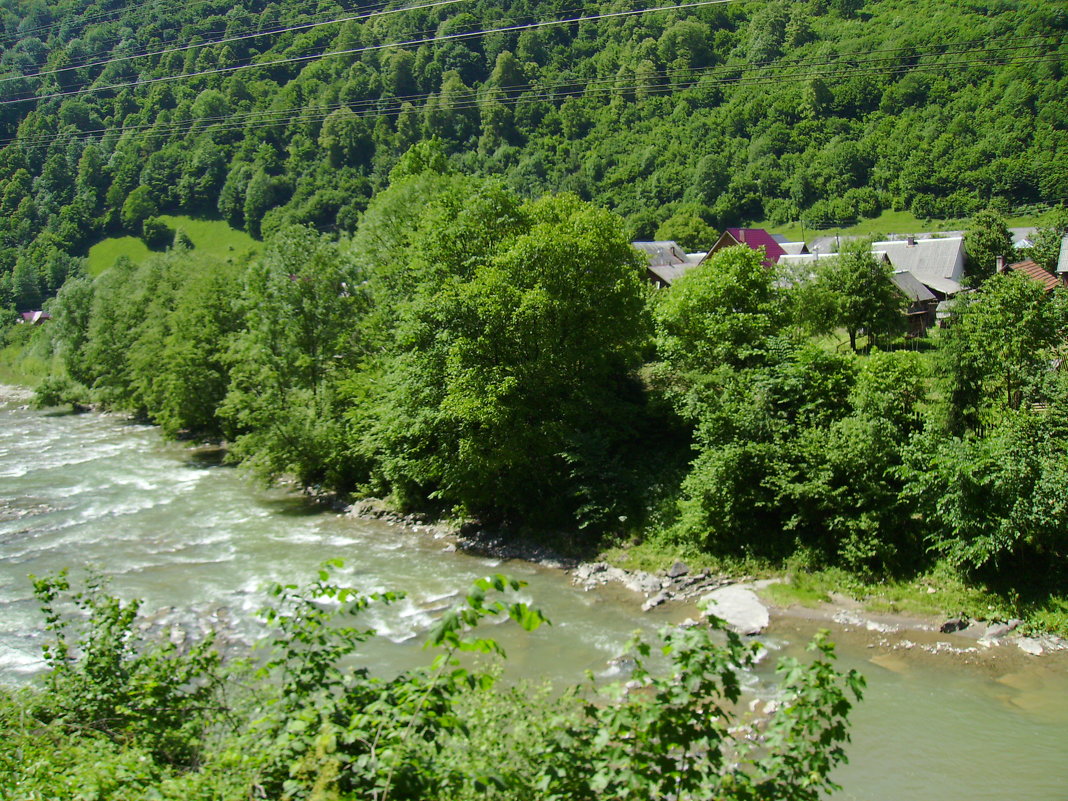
682 120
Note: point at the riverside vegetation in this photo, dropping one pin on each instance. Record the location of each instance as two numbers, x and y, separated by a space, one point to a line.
301 719
469 353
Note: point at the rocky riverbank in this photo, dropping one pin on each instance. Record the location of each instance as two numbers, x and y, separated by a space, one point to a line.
13 394
736 599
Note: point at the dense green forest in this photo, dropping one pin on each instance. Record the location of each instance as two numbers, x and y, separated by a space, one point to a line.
682 121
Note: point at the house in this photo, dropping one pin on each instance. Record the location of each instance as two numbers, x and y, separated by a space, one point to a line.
938 264
754 239
667 261
923 304
922 311
1036 272
35 317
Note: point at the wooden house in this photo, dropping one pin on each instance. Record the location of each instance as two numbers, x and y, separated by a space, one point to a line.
1036 272
667 261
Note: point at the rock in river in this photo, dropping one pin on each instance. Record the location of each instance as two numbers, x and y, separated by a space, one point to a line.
954 624
739 607
678 570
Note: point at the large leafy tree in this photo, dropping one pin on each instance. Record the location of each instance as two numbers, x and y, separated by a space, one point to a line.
301 306
192 373
997 503
854 291
723 312
998 347
987 238
508 389
1049 237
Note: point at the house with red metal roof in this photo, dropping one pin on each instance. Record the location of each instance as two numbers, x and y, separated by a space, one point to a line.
775 246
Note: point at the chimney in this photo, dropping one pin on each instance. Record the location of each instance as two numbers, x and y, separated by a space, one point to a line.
741 235
910 241
999 264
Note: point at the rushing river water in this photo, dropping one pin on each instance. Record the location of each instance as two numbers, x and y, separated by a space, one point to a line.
199 542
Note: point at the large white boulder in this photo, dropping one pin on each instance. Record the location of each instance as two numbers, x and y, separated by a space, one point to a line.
738 606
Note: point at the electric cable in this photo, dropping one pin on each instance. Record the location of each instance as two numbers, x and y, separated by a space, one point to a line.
562 90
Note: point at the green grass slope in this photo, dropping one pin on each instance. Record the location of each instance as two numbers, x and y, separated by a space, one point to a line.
213 237
888 222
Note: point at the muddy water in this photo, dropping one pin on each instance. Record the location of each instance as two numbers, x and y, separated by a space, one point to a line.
198 541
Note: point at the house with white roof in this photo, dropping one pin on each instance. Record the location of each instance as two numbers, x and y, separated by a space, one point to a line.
938 264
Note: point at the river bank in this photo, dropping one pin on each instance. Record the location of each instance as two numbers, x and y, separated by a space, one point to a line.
679 589
199 542
684 591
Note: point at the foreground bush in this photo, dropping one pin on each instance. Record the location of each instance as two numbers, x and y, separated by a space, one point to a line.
119 719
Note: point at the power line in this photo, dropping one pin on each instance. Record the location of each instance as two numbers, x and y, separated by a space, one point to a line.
373 48
245 37
94 17
200 34
559 91
469 100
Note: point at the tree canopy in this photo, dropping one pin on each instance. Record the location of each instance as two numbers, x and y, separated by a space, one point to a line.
692 119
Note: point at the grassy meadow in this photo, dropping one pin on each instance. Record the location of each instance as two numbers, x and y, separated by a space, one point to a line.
211 237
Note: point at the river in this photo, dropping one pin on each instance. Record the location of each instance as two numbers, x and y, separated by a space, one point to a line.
199 541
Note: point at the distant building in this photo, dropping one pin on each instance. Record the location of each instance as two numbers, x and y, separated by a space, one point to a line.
35 317
775 246
1062 262
922 311
667 261
938 264
1036 272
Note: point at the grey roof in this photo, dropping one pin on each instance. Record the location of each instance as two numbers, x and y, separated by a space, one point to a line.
667 260
804 258
913 288
1062 262
793 248
670 273
910 287
937 263
662 253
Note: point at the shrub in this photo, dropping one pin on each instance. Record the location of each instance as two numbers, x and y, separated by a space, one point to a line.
156 233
